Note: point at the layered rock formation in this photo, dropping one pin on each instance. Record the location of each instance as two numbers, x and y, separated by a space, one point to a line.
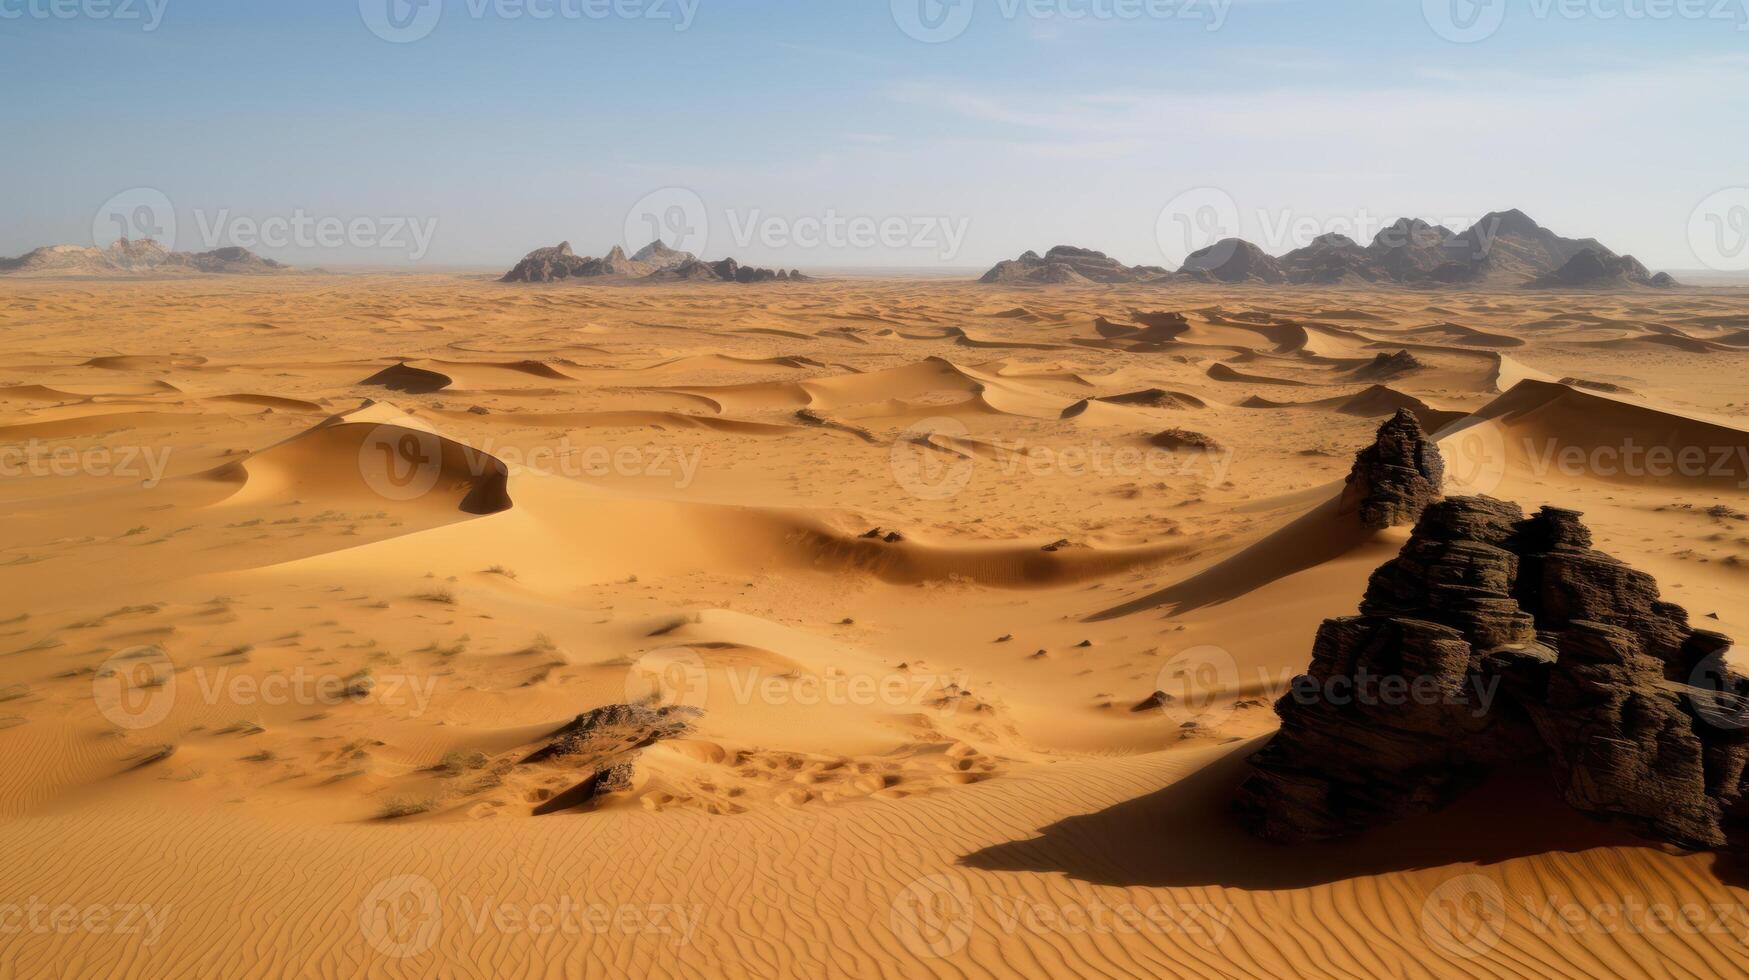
1494 638
1395 478
140 257
655 261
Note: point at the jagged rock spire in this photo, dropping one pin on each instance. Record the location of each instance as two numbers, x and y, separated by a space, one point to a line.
1396 477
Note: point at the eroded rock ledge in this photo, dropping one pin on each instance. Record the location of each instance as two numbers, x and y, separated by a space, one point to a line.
1495 638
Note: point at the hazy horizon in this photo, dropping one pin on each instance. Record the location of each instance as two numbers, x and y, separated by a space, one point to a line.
864 137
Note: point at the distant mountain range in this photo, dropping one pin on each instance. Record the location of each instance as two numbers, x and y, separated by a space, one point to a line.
1506 249
142 257
655 261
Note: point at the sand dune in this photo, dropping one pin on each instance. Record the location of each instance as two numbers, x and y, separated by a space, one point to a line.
908 545
372 452
1376 401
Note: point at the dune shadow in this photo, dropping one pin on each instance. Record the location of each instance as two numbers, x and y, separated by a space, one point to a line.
1185 836
1320 535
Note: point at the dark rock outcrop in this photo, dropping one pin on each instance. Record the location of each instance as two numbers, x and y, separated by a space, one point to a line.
1395 478
1505 249
230 260
1386 366
1593 269
1494 639
1184 439
605 741
616 728
547 264
1146 398
1329 259
655 262
1234 260
1068 264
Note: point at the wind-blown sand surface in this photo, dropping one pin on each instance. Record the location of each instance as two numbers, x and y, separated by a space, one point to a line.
297 574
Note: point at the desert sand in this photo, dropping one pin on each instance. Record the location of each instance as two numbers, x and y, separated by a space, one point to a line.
299 572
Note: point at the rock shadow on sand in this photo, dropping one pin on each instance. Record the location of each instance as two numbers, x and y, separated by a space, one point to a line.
1186 836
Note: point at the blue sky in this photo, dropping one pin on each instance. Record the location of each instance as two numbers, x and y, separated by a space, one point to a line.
500 131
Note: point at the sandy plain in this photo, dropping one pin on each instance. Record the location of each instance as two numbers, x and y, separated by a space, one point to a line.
298 570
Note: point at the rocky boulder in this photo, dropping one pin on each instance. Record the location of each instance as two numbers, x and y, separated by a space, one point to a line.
1386 366
604 743
1395 478
1494 638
